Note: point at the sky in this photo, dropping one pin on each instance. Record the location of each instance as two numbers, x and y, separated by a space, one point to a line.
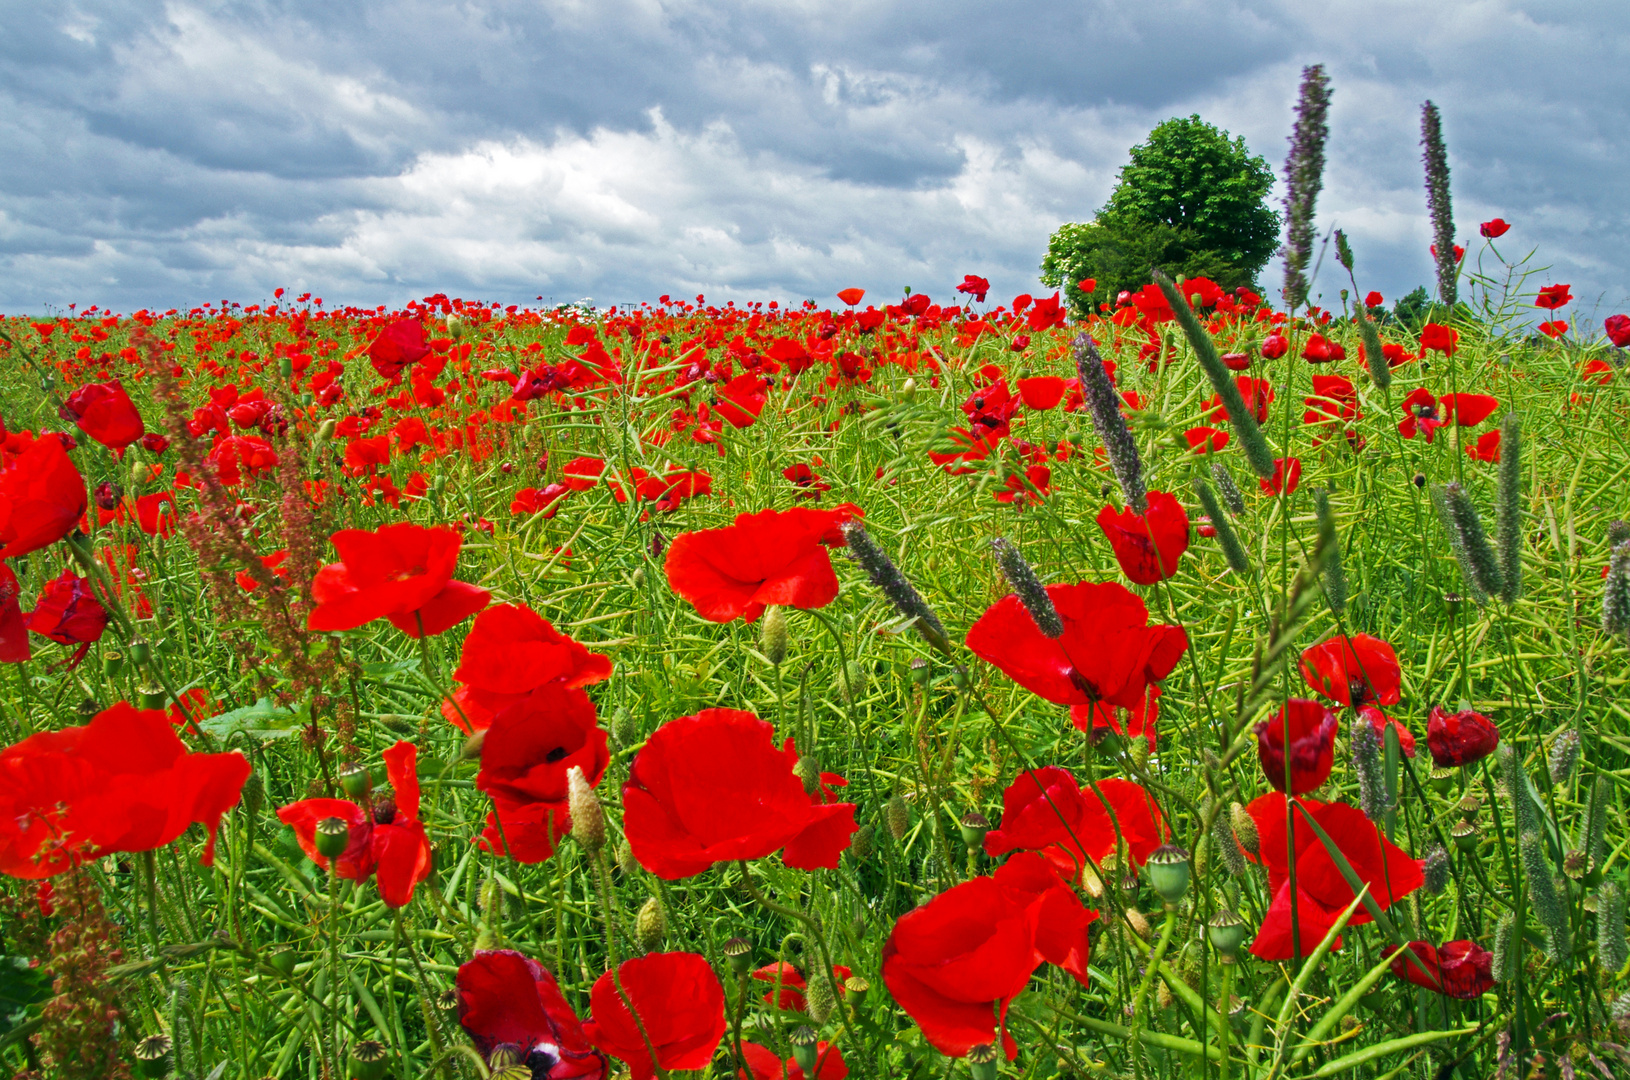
170 154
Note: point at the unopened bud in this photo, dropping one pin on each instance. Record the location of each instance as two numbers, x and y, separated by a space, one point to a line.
1244 829
773 634
1139 923
626 861
588 817
651 926
333 836
471 750
821 995
863 844
897 816
809 771
325 430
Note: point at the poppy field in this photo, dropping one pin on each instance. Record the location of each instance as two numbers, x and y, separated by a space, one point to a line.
905 689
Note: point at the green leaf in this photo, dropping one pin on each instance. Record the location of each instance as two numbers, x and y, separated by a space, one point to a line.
20 987
262 720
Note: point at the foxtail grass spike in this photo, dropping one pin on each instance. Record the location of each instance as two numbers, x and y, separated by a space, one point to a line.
1435 869
1611 951
1616 591
1523 808
1304 176
1228 849
1028 588
1231 495
1344 251
1227 539
1380 370
1506 948
1457 545
1596 821
1508 509
1480 557
1335 578
1104 406
1257 451
1549 911
1372 793
887 577
1437 202
1564 755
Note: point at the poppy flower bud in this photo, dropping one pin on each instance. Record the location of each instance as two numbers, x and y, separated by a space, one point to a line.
821 995
1436 871
1564 754
623 728
1227 933
1169 869
983 1061
740 954
333 836
153 1055
254 793
973 826
1244 829
651 925
141 653
1138 923
897 816
588 817
863 843
369 1060
1465 835
773 634
282 961
809 771
851 683
355 780
626 862
325 430
471 750
1611 950
803 1049
1028 588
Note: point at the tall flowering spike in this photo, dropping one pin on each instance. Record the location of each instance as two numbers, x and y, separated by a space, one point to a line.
1548 907
1508 509
1523 807
1104 406
1231 494
1596 822
1611 950
1372 794
1335 578
1240 416
1457 546
1437 201
1507 948
1616 591
887 577
1480 559
1374 358
1435 870
1227 539
1304 175
1027 587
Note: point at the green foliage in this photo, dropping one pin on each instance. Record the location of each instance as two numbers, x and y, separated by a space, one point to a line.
1411 312
1191 201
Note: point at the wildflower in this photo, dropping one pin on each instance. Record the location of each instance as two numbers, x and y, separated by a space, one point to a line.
1460 738
506 999
105 412
510 652
1438 203
1147 545
1356 671
1304 175
403 573
1041 392
976 287
68 613
398 346
14 647
1494 228
792 983
1308 729
763 1064
1552 297
1287 473
771 557
42 497
680 1005
1047 812
530 746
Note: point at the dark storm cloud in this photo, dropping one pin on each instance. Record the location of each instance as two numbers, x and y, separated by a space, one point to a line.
161 155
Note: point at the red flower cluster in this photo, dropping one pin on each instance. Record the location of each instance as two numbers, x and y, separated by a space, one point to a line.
1046 811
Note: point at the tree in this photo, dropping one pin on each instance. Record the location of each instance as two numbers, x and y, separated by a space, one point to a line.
1191 201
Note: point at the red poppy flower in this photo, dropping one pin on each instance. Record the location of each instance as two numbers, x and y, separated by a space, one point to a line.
1380 720
1555 329
1047 812
387 840
511 651
956 963
1552 297
1287 473
763 1064
792 982
975 287
851 296
273 562
545 500
1321 350
679 1002
1618 329
156 514
1205 440
1438 338
105 412
1376 861
713 788
1460 969
582 473
1108 651
808 481
1493 229
1356 671
1486 448
1374 299
1274 346
742 399
1129 723
1312 740
1236 361
771 557
1147 546
123 782
1087 285
399 345
1257 394
527 751
14 647
506 999
1421 414
42 497
68 613
401 572
1460 738
1041 392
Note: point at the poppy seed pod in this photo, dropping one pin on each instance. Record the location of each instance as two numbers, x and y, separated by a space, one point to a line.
1244 826
355 780
112 663
983 1062
333 836
803 1048
369 1060
1169 871
1227 933
897 816
153 1055
973 826
1469 806
651 926
141 652
1441 779
588 817
1465 835
740 954
855 989
773 634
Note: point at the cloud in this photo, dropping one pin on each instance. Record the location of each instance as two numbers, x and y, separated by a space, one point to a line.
743 148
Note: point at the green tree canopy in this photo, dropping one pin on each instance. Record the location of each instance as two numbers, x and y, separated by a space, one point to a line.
1191 200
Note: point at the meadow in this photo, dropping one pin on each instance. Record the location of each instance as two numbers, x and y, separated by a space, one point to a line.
915 688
